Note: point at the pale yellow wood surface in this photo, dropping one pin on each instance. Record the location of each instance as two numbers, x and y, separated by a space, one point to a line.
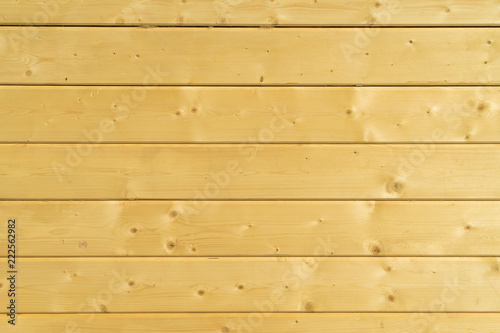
258 323
276 185
86 285
248 171
251 12
250 56
166 228
243 114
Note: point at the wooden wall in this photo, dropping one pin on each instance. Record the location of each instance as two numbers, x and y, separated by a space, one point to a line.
251 165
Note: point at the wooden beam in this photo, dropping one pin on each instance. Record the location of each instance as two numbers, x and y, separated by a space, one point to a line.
249 171
253 228
250 56
251 12
256 322
243 114
87 285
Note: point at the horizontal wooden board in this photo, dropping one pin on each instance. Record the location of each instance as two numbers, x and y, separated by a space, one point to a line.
251 12
86 285
258 228
249 56
257 322
244 114
249 171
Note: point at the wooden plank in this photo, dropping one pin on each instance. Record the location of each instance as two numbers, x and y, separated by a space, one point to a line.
243 114
249 56
86 285
176 228
251 12
248 171
257 322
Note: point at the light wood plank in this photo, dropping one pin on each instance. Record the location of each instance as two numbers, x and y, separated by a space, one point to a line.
251 12
264 114
86 285
249 56
258 323
248 171
166 228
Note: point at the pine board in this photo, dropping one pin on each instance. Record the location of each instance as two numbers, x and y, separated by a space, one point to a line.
249 56
244 114
251 12
258 323
249 171
87 285
253 228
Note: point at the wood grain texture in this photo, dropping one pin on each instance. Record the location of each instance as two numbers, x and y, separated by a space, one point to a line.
278 185
243 114
176 228
249 56
249 171
87 285
258 323
251 12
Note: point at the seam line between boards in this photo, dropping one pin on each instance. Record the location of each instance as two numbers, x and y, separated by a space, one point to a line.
236 85
251 26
